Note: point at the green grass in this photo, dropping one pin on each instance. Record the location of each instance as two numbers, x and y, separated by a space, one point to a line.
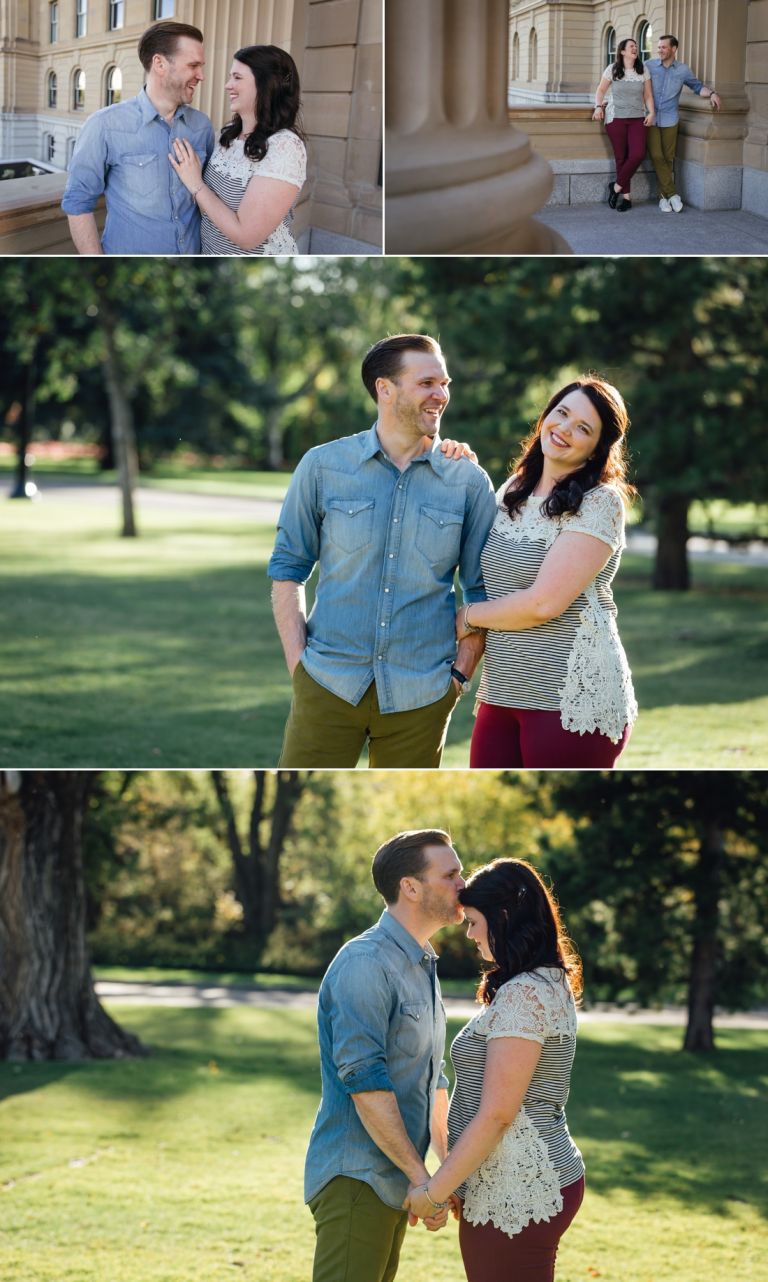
238 979
162 651
189 1164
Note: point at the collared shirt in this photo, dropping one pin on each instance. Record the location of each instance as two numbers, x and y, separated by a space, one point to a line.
668 83
381 1027
123 151
388 544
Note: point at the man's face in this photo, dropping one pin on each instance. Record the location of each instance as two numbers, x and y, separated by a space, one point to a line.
666 50
419 393
181 74
440 884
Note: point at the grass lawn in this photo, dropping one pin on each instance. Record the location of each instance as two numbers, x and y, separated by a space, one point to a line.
162 651
189 1164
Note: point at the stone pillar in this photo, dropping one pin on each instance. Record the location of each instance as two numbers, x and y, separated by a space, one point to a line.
459 178
713 38
755 189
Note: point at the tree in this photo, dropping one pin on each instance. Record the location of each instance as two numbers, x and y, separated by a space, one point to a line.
665 864
48 1004
257 862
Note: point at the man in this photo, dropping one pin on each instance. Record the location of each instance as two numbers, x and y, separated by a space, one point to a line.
381 1028
389 519
123 152
668 77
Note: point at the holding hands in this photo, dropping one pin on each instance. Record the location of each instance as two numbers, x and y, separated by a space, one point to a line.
420 1207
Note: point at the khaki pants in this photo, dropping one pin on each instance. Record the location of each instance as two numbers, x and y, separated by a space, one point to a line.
358 1236
662 144
324 730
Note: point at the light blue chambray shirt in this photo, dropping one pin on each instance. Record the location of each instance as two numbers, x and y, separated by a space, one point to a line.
381 1027
388 544
123 151
668 83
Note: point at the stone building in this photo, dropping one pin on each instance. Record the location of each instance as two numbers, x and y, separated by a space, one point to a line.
61 60
559 48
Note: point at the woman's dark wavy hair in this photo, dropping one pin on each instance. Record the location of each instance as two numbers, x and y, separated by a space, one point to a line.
524 926
607 466
617 71
278 99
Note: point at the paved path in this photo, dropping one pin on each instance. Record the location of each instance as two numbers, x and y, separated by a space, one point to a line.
596 229
202 995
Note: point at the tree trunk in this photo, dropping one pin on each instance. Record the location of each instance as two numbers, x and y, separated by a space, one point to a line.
48 1005
24 431
670 571
699 1033
257 871
121 418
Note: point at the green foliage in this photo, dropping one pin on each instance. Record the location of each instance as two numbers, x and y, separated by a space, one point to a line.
190 1163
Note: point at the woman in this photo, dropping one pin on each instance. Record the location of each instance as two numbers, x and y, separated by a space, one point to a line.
513 1174
259 164
629 113
556 688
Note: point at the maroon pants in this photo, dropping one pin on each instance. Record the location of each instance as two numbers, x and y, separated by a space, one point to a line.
628 139
491 1256
504 738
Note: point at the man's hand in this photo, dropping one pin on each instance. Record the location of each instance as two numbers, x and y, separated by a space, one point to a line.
714 98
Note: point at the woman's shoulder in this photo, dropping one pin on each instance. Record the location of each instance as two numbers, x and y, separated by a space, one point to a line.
286 142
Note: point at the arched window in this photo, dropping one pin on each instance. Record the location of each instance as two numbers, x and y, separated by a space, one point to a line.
533 56
50 147
611 45
645 40
53 89
516 57
78 90
113 86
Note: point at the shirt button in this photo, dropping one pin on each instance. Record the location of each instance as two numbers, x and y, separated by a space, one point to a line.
386 589
381 656
396 521
383 624
391 555
351 512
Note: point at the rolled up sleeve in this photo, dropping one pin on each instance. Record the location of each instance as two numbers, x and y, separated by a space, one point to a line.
477 527
361 1004
87 170
297 545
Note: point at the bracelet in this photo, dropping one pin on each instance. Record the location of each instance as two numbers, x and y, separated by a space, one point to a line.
468 626
438 1206
197 191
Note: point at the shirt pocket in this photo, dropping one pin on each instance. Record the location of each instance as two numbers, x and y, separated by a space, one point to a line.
349 523
438 537
141 173
412 1035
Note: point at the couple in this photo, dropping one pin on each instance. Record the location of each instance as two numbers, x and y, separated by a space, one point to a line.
169 188
388 516
510 1172
645 97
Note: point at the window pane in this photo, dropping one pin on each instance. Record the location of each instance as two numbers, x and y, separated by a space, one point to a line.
164 8
81 17
54 13
114 85
52 87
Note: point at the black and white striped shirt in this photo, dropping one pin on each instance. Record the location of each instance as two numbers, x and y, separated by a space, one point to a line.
543 667
537 1006
228 173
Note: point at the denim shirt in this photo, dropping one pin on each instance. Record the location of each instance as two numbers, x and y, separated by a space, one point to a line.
668 83
381 1027
388 544
123 151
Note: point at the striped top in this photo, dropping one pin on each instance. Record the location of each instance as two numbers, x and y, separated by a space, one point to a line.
229 172
573 664
522 1179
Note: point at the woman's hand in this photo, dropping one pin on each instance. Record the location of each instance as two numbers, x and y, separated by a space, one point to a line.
650 120
457 449
186 164
457 1205
598 113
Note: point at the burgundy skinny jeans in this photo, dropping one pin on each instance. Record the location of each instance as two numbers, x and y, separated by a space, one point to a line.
489 1255
628 139
506 738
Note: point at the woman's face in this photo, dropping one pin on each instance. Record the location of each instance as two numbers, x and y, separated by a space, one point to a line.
630 50
570 432
241 88
477 931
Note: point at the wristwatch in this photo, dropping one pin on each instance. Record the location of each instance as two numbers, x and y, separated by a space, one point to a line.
462 680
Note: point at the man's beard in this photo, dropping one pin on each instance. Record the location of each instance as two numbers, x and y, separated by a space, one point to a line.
440 909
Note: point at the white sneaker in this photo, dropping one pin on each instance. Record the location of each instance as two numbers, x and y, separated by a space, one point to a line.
676 203
665 206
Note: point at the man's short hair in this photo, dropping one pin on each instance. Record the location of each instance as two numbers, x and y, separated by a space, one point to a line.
163 38
403 856
673 40
385 358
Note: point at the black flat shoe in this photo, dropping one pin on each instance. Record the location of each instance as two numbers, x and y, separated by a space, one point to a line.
613 195
623 205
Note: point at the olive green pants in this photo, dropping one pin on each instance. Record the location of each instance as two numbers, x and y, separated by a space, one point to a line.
358 1236
324 730
662 144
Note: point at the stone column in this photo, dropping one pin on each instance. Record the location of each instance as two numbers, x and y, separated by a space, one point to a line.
459 178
